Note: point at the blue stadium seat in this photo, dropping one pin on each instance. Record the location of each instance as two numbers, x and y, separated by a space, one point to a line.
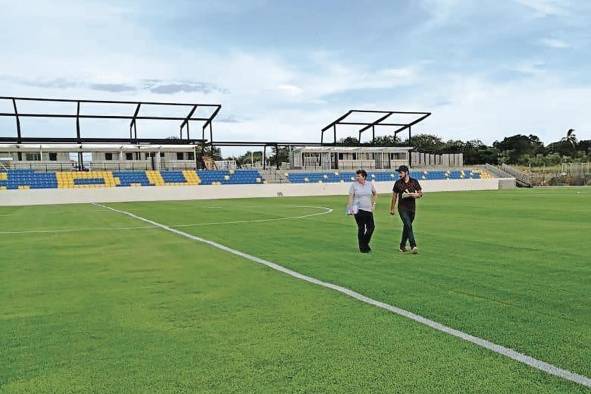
237 177
128 178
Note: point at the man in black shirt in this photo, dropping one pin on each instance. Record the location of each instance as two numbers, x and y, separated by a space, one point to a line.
406 190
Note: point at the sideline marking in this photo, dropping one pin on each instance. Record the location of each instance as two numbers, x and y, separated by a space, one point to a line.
502 350
71 230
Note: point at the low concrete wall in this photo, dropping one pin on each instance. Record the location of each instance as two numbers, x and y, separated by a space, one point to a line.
206 192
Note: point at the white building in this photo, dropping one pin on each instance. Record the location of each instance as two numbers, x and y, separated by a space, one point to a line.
349 158
51 157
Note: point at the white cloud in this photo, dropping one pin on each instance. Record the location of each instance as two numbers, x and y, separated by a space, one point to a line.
272 97
554 43
544 8
486 110
290 90
535 67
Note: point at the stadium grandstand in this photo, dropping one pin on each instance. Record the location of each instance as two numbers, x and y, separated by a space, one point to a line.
81 162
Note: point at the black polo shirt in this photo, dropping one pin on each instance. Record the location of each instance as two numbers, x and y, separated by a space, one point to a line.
412 186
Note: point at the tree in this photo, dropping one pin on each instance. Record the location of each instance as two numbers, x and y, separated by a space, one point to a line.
278 156
427 143
249 156
518 145
571 139
386 140
454 146
349 141
584 146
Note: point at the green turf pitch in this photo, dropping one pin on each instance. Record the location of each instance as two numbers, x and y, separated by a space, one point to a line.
92 300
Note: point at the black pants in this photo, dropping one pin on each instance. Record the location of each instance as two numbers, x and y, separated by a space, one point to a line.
365 227
407 217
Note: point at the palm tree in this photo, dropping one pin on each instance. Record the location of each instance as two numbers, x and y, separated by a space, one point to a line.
571 138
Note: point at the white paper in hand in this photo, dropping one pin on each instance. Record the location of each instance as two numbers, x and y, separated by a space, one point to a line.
352 210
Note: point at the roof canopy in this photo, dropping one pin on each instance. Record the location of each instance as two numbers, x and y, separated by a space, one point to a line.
400 120
134 107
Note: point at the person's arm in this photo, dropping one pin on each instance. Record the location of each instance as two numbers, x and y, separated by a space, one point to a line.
350 200
419 192
394 203
374 196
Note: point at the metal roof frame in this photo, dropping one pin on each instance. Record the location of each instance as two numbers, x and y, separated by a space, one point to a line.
381 121
133 138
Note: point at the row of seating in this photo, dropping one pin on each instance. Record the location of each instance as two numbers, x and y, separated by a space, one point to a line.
219 177
381 176
29 179
25 179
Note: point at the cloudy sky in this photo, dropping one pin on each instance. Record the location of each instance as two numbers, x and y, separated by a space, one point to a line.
284 69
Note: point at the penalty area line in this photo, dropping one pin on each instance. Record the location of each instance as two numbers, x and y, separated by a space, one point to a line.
499 349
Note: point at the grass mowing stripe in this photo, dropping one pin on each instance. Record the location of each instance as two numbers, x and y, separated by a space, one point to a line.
502 350
70 230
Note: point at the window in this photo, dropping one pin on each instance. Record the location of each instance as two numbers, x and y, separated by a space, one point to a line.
52 156
147 156
354 156
33 156
161 154
191 156
129 156
180 156
340 156
108 156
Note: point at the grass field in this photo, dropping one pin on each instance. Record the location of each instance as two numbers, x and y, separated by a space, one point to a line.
93 300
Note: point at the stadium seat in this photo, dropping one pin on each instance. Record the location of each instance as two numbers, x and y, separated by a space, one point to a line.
231 177
29 179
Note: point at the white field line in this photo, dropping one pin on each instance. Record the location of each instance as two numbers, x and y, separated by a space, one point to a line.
72 230
502 350
326 211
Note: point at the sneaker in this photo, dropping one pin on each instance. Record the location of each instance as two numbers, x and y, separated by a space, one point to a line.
403 250
414 250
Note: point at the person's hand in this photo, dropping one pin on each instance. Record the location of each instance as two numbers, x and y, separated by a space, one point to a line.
392 211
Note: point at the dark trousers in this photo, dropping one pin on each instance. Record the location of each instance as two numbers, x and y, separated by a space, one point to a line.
365 227
407 217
